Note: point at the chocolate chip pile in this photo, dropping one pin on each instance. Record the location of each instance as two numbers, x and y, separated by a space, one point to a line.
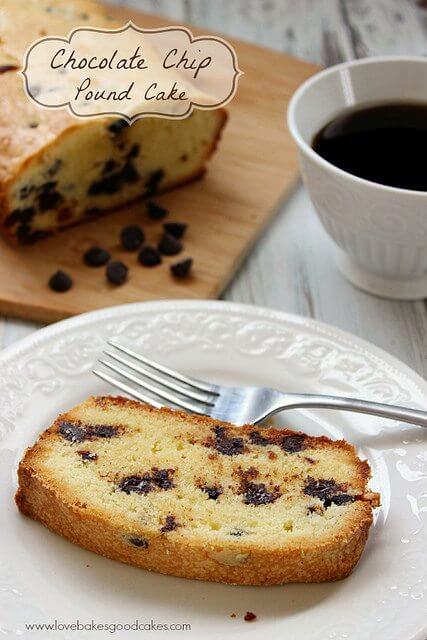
132 239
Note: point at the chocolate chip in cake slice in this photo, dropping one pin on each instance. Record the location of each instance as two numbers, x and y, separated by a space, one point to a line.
156 211
117 272
257 494
162 478
133 151
175 229
169 246
132 237
149 256
72 432
182 269
256 438
152 183
87 456
212 492
292 444
22 216
339 499
323 489
101 431
141 543
60 281
136 484
118 126
170 524
228 446
96 257
109 166
49 197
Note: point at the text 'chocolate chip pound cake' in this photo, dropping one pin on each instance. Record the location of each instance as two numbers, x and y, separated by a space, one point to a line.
191 497
57 170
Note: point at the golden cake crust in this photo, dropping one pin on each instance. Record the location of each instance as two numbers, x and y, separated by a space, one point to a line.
234 561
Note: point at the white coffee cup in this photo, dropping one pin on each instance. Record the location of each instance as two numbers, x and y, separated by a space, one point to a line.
381 230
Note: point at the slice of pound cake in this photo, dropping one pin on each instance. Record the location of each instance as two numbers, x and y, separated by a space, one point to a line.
57 170
192 497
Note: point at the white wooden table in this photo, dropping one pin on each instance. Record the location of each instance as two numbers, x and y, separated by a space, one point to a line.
292 268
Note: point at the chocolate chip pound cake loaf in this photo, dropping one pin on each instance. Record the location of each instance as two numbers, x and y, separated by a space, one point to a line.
57 170
191 497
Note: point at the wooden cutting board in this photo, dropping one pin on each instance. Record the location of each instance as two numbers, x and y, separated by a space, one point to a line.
226 211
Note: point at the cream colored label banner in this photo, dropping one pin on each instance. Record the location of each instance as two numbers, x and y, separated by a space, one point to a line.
131 72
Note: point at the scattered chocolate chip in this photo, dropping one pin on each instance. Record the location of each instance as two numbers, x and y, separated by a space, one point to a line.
72 432
156 211
118 126
132 237
292 444
142 543
170 524
117 272
175 229
213 492
87 456
169 246
249 616
96 257
33 125
256 438
257 494
182 269
23 216
60 282
149 256
226 445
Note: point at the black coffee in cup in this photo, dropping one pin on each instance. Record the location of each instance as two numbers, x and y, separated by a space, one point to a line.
385 143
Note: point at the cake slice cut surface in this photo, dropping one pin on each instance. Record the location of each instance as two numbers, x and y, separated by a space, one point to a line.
192 497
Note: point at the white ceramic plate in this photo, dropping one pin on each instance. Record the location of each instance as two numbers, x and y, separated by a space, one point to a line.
43 578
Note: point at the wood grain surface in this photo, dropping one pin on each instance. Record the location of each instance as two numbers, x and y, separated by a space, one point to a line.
292 267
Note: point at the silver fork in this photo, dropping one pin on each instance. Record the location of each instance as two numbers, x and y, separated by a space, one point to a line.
239 405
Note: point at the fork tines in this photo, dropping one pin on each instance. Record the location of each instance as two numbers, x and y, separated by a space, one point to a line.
168 386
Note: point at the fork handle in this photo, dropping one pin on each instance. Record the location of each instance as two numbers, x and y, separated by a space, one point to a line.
403 414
